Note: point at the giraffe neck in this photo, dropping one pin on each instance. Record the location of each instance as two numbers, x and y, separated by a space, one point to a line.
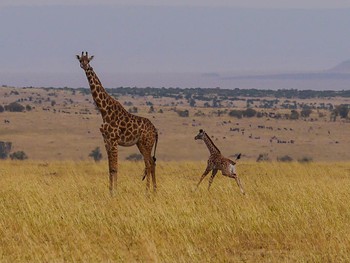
98 92
211 146
107 105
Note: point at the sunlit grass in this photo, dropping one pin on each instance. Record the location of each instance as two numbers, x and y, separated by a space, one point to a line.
62 211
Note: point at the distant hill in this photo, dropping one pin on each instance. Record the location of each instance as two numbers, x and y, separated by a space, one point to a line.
335 78
343 67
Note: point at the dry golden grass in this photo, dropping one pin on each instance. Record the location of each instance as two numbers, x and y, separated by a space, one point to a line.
62 211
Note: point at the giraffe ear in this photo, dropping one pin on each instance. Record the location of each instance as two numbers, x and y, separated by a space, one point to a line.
91 58
78 57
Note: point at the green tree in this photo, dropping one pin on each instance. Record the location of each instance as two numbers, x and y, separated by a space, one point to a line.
294 115
15 107
236 113
343 110
305 113
96 154
249 113
19 155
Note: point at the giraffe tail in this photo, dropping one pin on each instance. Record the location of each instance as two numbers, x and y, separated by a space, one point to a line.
155 148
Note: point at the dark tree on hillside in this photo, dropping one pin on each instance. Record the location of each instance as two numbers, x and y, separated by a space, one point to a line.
192 102
236 113
249 113
294 115
14 107
343 110
96 154
305 113
19 155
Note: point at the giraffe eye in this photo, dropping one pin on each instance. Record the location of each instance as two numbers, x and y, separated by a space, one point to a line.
200 130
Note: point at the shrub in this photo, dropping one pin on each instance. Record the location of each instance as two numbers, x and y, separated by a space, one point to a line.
236 113
96 154
294 115
2 109
305 159
134 157
305 113
183 113
14 107
343 110
249 113
263 157
19 155
285 158
5 148
133 110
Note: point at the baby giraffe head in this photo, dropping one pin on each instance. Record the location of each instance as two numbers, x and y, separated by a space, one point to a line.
200 135
84 60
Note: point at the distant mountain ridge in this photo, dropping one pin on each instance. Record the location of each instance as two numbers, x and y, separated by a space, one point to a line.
340 71
343 67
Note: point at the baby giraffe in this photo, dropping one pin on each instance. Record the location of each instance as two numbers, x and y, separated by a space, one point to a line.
217 162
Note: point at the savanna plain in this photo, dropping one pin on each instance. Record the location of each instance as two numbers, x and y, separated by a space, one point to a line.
62 211
55 206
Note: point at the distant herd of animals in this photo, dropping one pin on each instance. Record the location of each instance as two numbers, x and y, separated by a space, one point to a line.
121 128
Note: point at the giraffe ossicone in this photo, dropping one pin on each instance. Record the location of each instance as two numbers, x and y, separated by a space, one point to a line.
121 128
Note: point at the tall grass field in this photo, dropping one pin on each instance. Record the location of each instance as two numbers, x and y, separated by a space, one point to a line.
63 212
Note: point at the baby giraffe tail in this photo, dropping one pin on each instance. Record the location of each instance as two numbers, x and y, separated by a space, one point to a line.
238 157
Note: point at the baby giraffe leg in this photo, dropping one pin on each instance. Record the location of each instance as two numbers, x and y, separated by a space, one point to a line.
213 173
204 175
238 183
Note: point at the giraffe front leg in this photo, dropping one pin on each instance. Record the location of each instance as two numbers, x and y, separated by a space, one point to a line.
212 177
207 170
113 166
112 153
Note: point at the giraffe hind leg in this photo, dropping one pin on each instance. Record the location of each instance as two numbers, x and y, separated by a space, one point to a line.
239 184
214 172
153 173
146 153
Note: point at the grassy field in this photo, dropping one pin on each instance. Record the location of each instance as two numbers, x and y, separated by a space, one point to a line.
62 211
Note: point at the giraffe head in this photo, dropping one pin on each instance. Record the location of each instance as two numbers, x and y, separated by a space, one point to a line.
84 60
200 135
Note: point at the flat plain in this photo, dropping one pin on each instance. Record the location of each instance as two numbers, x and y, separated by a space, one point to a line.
69 130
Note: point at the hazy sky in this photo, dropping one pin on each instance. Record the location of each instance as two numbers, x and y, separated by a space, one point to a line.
232 3
40 38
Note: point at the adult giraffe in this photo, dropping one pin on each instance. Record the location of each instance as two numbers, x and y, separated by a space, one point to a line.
120 127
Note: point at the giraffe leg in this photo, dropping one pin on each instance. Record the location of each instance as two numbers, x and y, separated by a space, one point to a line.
213 173
146 153
153 172
239 184
207 170
113 166
112 153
